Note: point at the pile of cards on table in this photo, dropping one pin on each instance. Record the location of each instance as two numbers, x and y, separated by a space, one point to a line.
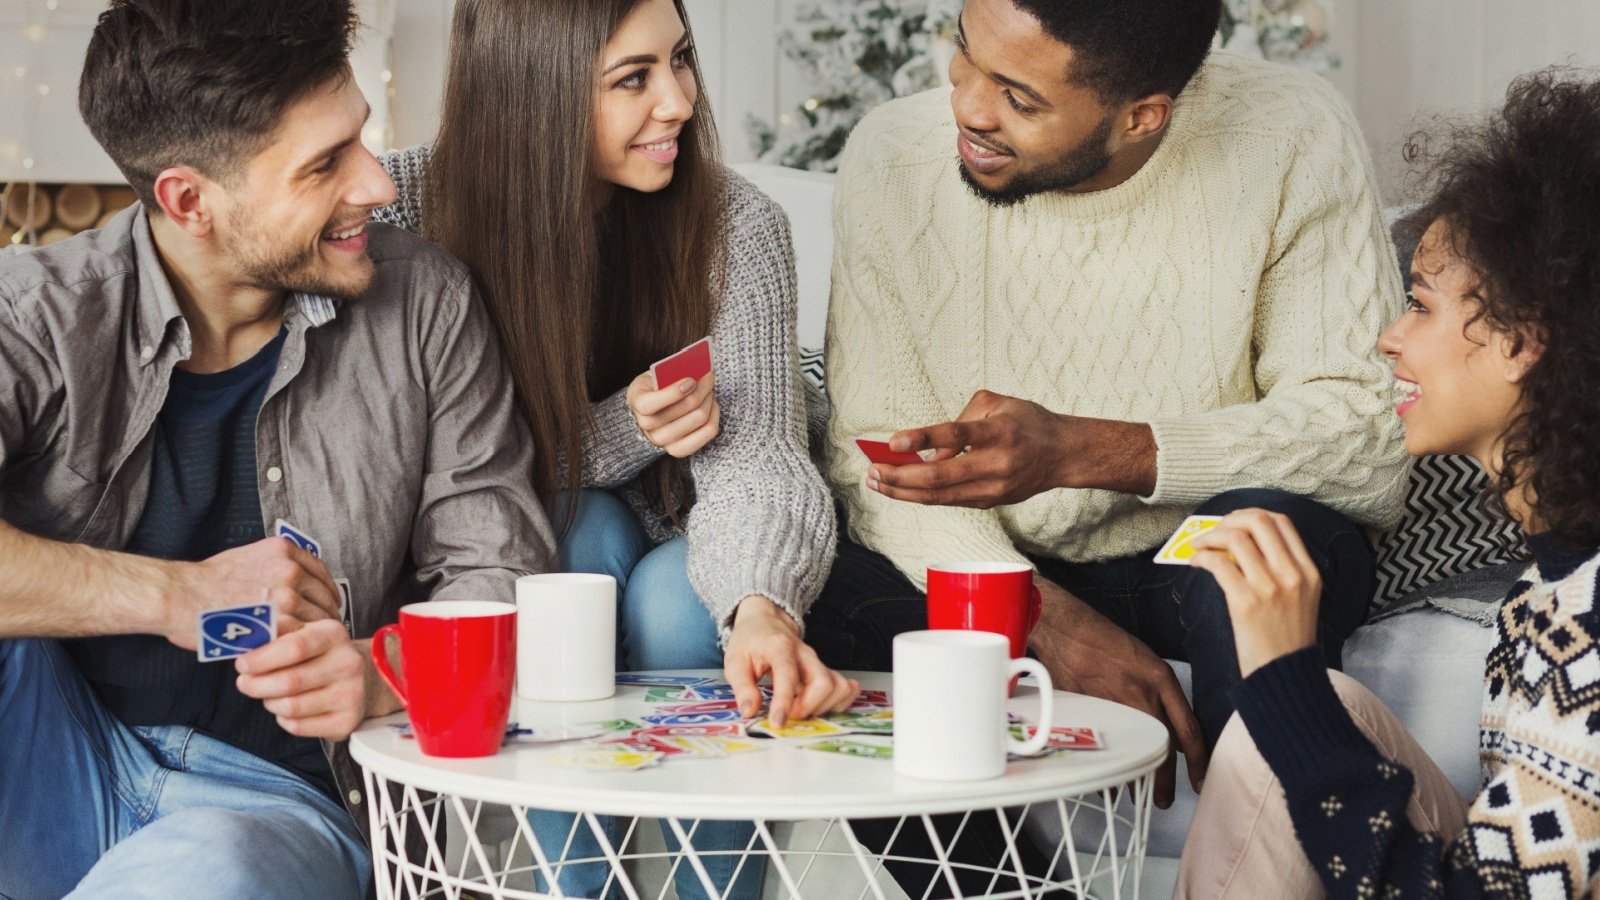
699 718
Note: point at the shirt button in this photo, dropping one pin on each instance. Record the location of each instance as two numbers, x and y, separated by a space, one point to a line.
146 354
274 474
355 798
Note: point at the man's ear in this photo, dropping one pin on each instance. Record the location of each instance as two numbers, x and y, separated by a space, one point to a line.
182 194
1146 118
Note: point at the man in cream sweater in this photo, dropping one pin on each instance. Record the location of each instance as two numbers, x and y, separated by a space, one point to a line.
1133 282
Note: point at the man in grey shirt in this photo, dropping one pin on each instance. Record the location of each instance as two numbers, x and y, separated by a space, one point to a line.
239 347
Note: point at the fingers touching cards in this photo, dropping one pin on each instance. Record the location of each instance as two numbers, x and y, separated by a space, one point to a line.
675 403
765 641
1261 564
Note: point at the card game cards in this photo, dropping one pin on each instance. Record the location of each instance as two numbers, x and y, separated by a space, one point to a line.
1179 549
879 452
692 362
864 748
235 631
299 538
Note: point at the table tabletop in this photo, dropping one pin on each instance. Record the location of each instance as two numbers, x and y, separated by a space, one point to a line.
783 782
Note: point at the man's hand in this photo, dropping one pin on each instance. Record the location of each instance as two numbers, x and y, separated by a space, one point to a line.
1272 585
1087 654
272 571
766 640
313 679
680 418
1002 450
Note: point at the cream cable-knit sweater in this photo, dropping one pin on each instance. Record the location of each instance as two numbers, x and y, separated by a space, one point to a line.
1230 294
762 522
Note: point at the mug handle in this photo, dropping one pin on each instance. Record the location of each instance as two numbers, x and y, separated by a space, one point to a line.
380 660
1035 606
1041 738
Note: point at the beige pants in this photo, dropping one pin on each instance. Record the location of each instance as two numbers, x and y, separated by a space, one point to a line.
1242 843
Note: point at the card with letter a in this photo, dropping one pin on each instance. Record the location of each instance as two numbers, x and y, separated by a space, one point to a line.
226 633
1179 549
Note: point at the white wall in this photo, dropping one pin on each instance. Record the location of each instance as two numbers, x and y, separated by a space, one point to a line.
1401 56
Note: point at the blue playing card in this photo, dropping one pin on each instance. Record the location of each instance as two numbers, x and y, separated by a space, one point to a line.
701 718
226 633
299 538
659 680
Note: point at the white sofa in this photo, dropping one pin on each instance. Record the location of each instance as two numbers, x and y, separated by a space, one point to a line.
1426 663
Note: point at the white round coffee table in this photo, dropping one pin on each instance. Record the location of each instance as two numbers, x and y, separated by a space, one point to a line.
412 796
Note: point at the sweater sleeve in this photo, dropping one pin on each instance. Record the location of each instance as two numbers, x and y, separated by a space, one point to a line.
877 384
762 521
1322 425
615 450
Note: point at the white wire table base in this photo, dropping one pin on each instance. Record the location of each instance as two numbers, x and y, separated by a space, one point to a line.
519 867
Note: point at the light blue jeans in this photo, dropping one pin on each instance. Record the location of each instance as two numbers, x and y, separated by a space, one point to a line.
90 807
661 624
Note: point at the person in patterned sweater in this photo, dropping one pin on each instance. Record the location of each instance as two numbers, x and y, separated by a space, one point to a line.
1496 357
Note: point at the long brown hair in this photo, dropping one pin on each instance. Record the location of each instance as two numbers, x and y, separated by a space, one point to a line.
583 303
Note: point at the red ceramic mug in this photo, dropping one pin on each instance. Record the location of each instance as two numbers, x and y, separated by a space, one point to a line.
460 663
985 596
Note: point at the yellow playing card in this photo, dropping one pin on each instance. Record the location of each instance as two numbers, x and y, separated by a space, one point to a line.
1179 548
804 728
600 758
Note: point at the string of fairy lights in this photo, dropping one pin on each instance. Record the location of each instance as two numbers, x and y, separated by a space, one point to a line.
31 30
21 79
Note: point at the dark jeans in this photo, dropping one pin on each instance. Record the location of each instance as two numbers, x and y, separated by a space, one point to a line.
1179 612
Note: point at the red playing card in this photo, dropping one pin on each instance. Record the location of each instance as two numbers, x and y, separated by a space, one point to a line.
1070 738
716 729
689 709
693 361
879 452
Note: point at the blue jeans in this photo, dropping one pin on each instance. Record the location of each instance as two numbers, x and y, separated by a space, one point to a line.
661 624
94 808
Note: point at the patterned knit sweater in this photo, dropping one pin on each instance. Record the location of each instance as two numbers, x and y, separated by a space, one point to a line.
1534 830
762 522
1230 294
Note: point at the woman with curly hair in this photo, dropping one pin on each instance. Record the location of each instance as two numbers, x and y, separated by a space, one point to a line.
1496 357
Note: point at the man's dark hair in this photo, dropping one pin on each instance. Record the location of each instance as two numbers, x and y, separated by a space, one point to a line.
203 83
1127 49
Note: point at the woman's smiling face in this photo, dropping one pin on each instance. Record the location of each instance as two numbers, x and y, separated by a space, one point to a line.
1459 379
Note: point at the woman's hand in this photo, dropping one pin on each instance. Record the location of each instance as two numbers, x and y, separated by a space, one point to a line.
1271 584
680 418
765 640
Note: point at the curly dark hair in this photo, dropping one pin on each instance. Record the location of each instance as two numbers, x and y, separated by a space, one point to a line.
1519 197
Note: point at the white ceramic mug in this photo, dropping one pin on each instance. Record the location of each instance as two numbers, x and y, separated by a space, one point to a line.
950 705
566 636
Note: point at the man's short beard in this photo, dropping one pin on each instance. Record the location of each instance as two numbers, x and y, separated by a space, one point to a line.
288 268
1079 164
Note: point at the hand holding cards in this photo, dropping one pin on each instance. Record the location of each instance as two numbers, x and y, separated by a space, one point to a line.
1179 549
675 403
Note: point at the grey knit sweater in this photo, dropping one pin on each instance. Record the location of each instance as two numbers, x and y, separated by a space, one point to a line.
763 521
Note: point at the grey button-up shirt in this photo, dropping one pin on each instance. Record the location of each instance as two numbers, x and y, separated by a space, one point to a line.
389 431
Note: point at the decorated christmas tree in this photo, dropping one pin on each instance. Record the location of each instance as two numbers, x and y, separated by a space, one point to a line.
858 53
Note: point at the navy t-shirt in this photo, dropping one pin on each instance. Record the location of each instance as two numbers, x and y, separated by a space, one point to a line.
203 500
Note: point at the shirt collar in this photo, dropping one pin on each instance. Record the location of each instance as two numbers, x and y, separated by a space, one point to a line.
158 306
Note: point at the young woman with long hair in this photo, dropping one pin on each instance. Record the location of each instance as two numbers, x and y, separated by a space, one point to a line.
577 174
1315 787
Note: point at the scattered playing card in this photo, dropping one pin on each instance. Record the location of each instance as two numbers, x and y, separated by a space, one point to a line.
299 538
227 633
610 725
879 721
863 747
670 695
1065 737
803 728
879 452
713 729
633 678
700 718
600 758
706 706
693 362
1179 548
